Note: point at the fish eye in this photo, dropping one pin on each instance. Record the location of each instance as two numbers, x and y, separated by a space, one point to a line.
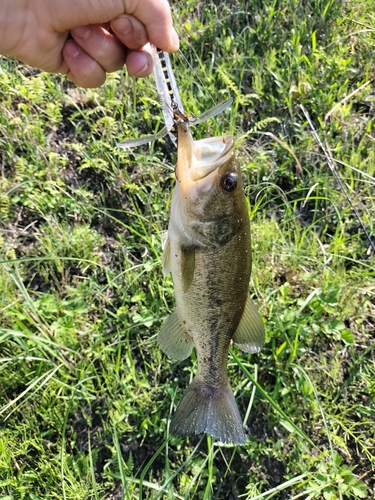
229 182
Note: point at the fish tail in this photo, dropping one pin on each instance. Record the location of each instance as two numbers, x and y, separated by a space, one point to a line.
209 410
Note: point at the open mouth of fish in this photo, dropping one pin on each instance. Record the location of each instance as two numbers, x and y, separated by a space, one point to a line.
200 157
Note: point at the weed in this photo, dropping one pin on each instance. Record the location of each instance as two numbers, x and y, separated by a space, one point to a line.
85 393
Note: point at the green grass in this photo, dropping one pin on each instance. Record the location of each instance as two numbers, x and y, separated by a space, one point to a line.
85 393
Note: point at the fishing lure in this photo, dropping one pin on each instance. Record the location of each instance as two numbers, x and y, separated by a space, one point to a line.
171 104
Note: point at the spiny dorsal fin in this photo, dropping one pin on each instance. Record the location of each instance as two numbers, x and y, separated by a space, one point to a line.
250 332
173 339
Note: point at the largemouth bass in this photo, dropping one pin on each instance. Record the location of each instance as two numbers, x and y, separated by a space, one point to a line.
208 252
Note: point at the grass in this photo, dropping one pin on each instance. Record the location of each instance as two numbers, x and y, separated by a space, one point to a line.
86 395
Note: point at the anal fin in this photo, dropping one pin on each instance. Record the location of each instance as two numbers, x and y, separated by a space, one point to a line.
173 339
250 333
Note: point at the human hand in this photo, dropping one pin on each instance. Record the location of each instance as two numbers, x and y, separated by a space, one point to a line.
85 39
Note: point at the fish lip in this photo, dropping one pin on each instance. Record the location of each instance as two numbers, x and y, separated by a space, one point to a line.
197 159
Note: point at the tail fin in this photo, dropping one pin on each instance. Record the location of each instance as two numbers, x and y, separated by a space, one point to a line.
210 410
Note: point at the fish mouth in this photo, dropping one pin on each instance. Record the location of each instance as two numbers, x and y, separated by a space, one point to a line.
197 159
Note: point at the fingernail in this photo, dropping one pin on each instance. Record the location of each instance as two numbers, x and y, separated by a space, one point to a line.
175 39
83 32
123 26
71 49
139 63
144 70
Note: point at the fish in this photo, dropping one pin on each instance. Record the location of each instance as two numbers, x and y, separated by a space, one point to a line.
208 253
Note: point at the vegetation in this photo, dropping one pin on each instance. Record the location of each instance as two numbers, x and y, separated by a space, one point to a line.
85 393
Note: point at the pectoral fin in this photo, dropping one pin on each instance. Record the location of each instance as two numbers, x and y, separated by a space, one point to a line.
173 340
250 333
187 266
187 261
165 243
